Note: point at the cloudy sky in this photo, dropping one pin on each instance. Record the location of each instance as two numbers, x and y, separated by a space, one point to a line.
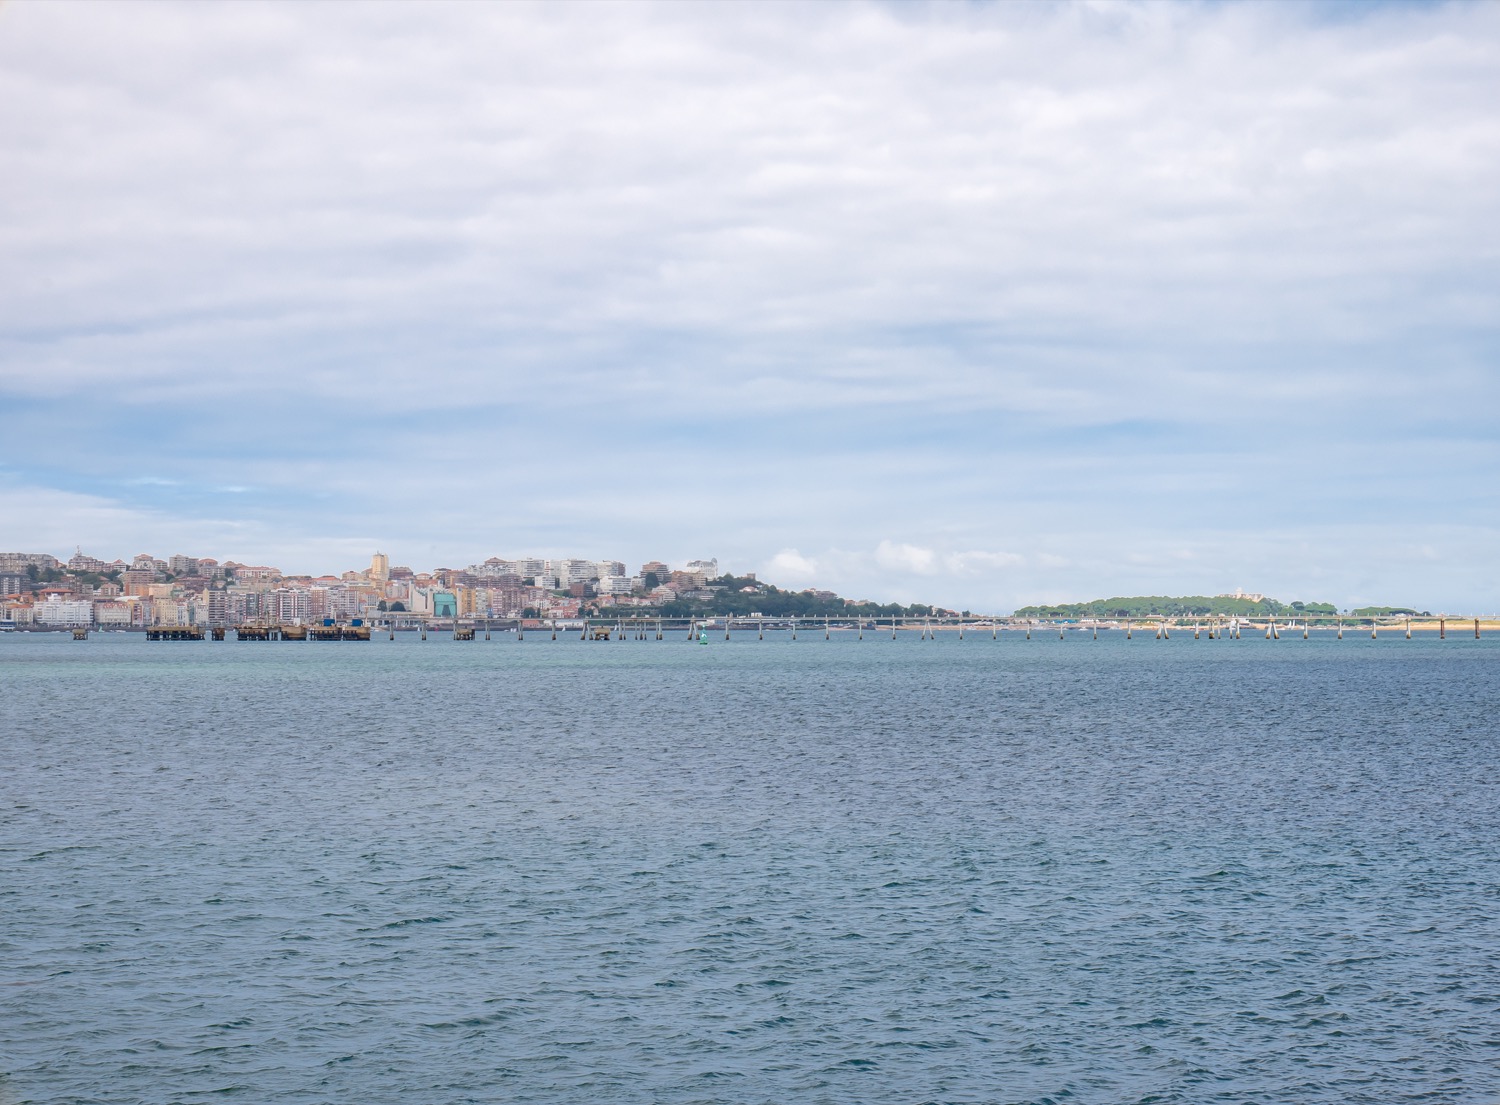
976 304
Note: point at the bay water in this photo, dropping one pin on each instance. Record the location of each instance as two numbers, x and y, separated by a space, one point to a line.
754 871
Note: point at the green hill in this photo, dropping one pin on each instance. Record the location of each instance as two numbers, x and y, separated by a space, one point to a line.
1180 606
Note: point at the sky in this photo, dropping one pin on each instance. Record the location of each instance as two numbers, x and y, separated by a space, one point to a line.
975 304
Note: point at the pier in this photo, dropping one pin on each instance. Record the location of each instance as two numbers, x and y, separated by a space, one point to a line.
175 633
919 627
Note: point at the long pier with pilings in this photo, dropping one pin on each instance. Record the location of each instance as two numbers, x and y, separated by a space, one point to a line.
921 627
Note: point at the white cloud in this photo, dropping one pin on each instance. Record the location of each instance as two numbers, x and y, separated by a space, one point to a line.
791 567
906 558
1019 276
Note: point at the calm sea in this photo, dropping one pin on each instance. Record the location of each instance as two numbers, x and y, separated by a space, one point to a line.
847 871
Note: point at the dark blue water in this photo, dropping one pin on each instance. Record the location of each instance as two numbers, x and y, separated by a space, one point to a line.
1025 871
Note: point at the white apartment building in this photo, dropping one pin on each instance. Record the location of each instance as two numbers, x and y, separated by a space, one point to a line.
343 604
291 607
180 565
79 562
709 568
609 568
569 572
59 612
614 585
172 612
112 612
220 611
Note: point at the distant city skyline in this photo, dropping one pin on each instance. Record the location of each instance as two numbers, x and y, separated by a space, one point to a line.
977 305
144 591
543 572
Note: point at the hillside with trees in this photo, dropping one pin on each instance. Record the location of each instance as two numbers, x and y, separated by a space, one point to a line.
1183 606
741 596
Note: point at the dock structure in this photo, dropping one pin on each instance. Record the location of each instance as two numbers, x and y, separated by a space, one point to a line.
958 628
175 633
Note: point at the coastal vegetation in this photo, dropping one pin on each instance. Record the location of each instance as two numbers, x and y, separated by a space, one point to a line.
1183 606
742 596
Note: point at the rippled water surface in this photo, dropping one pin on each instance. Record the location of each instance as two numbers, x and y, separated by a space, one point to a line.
846 871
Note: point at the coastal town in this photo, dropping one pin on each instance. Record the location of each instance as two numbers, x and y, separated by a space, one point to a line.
41 592
38 590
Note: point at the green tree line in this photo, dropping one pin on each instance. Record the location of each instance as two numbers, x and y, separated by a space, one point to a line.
1168 606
